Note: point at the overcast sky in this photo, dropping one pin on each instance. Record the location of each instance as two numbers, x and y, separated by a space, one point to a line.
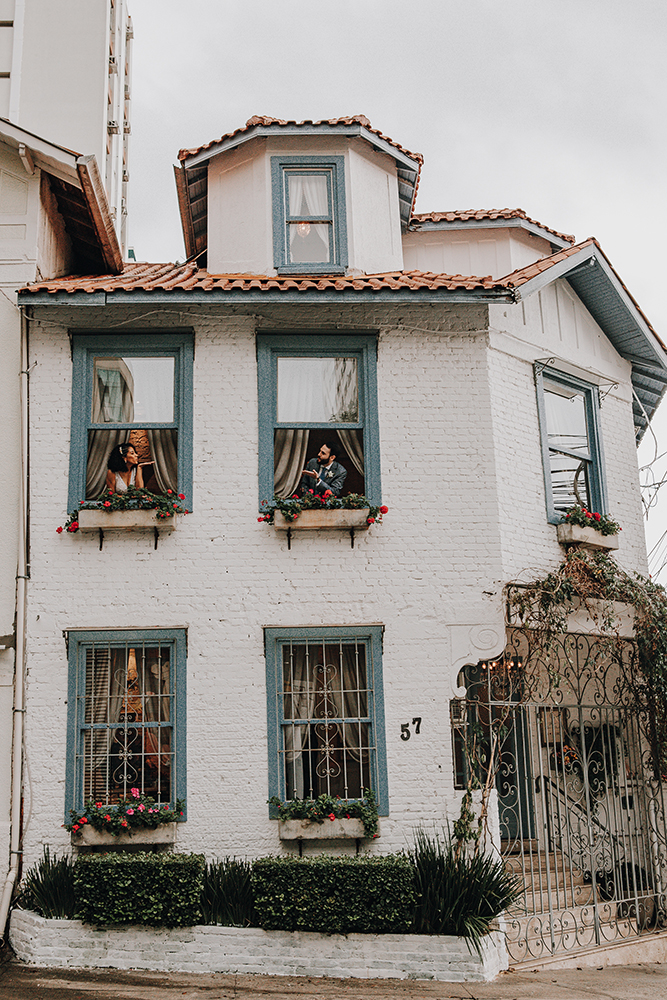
558 107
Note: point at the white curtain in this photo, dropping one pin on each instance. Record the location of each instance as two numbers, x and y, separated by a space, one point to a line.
308 195
153 683
298 706
106 686
354 448
163 445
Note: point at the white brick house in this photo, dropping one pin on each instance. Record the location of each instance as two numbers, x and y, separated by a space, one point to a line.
445 424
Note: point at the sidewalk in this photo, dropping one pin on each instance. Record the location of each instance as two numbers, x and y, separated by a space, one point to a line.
631 982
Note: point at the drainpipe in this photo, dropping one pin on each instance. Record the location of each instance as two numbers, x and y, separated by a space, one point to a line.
19 666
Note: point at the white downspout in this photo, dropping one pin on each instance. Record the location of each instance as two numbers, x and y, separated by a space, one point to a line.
19 667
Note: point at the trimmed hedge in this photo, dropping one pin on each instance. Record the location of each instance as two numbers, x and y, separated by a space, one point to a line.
335 895
163 890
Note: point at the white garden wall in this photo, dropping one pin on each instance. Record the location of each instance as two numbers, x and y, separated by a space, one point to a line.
70 943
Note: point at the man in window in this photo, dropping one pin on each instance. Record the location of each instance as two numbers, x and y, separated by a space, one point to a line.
324 472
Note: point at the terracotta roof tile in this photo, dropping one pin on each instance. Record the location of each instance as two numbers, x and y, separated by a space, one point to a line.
476 214
148 277
267 121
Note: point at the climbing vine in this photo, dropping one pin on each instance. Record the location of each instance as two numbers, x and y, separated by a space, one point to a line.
595 583
591 583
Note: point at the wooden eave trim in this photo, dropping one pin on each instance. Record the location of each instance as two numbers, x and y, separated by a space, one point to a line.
96 200
185 210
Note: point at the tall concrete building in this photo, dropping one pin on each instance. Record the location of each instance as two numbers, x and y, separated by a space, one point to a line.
65 76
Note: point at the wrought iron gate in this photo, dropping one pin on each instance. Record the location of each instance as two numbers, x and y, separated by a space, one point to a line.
582 812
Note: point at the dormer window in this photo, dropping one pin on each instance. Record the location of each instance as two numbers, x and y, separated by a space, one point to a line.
309 232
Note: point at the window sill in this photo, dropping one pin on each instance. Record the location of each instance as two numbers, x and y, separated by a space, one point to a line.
324 520
306 829
165 833
589 538
124 520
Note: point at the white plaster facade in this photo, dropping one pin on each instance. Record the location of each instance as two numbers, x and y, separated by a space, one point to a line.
462 477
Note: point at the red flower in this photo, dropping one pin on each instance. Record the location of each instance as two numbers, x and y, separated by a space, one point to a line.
124 823
187 512
175 505
261 519
370 520
383 509
59 530
75 827
597 517
327 493
170 491
107 503
98 805
587 513
331 817
181 496
83 820
81 503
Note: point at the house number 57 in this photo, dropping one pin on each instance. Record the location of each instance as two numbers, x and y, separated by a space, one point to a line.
405 728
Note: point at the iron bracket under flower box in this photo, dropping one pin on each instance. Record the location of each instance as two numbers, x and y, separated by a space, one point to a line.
88 836
573 534
324 520
336 829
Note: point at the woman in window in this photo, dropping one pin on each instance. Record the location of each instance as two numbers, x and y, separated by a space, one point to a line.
123 469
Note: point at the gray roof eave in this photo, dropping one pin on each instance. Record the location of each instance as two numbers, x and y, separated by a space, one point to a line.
214 296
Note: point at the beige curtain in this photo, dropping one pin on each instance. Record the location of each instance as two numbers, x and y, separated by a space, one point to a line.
354 448
153 682
164 449
289 460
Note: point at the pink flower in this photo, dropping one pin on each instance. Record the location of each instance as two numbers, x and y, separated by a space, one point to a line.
134 792
130 812
150 810
141 807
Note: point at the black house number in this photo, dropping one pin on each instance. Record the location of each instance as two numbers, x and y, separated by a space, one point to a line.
405 728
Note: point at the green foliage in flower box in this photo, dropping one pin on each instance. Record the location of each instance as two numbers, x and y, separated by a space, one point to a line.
291 507
134 498
335 895
162 890
328 807
584 518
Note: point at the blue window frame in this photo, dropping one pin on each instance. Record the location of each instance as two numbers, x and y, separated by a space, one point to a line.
126 715
326 712
315 389
309 221
133 389
572 454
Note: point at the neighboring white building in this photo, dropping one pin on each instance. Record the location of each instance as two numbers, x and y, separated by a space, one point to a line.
320 308
65 74
54 219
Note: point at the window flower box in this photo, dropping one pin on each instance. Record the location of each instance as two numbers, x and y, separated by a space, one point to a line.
324 520
573 534
123 520
88 836
336 829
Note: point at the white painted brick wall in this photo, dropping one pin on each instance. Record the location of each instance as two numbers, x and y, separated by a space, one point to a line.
69 943
458 460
